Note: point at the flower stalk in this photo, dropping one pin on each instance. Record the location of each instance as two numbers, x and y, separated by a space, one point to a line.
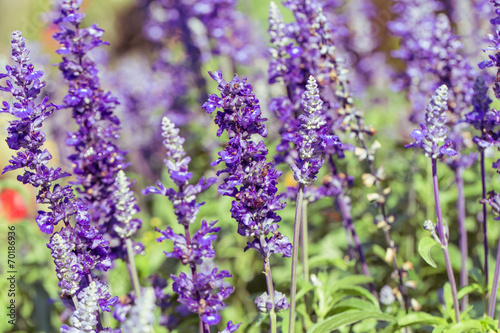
295 255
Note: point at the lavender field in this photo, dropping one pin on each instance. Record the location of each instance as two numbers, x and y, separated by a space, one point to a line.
249 166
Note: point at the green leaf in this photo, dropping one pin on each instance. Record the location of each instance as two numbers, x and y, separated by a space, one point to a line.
424 248
346 318
420 318
469 289
466 326
359 291
355 303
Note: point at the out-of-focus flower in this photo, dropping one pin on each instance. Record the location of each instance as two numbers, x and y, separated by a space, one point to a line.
12 205
312 138
431 138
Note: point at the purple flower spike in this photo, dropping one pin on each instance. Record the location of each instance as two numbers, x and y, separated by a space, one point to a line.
312 138
431 138
202 292
94 297
250 180
96 158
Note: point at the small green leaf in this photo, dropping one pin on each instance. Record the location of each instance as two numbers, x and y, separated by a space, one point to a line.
420 318
355 303
466 326
469 289
346 318
424 248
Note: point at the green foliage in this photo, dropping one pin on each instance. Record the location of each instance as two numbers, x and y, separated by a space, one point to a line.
424 248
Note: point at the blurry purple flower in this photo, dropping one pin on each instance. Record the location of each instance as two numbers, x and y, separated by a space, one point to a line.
432 137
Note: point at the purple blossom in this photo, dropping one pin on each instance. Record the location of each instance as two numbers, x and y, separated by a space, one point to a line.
482 117
312 138
265 303
432 135
94 297
141 315
431 52
25 136
202 292
96 159
76 250
250 180
206 28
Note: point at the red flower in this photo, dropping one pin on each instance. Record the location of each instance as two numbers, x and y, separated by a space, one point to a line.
12 205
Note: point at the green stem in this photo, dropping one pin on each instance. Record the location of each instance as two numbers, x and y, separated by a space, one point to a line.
304 243
132 269
295 256
444 240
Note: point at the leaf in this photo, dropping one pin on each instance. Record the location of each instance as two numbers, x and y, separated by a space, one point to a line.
469 289
421 318
346 318
466 326
359 291
424 248
355 303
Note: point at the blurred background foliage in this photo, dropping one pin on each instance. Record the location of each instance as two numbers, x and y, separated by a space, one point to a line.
411 200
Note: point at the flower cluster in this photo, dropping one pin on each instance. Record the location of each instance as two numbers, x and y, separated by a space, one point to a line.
76 250
431 138
312 138
94 297
97 159
431 52
202 292
25 136
249 180
199 21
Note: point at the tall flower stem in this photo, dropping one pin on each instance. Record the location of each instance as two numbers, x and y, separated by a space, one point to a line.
464 276
270 290
494 289
132 268
295 256
304 243
485 230
444 240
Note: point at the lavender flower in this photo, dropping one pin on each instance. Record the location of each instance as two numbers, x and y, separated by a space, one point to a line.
250 180
125 207
76 250
97 159
200 22
431 138
94 297
141 315
432 134
312 137
431 53
202 292
25 136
